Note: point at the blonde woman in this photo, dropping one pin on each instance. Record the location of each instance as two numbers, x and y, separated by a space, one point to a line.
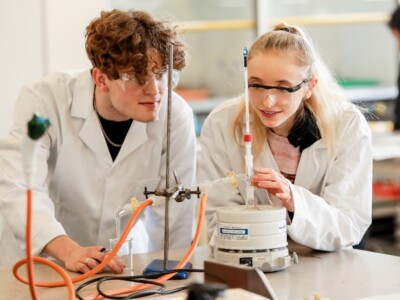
311 147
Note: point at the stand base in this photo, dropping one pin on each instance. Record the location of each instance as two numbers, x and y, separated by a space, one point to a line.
157 266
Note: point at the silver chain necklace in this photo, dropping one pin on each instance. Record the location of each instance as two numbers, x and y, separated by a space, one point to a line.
102 129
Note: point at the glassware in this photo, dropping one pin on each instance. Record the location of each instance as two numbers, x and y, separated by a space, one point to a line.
125 253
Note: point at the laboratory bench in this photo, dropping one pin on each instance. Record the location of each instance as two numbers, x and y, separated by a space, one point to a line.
384 232
346 274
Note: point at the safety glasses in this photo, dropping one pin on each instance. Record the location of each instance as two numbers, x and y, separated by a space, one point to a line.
128 80
260 92
280 88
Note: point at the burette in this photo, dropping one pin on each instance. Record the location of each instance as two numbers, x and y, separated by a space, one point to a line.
247 138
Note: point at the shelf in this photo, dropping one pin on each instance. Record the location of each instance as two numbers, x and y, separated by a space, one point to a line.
198 26
204 106
370 94
362 94
331 19
336 19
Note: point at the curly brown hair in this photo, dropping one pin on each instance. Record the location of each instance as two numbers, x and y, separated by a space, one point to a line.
119 39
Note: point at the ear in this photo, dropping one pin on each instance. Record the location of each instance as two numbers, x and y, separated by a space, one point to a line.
311 87
100 79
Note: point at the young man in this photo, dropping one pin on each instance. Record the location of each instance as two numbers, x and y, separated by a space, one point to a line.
106 143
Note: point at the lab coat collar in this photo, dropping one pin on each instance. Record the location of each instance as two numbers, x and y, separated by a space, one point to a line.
82 98
137 136
82 107
90 133
92 136
310 162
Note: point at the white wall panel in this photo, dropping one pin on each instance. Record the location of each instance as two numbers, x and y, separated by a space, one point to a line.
20 52
37 37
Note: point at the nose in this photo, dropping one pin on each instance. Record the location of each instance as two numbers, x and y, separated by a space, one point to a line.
269 100
151 86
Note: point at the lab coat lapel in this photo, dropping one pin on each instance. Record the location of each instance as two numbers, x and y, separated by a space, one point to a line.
136 137
309 164
92 136
90 133
82 108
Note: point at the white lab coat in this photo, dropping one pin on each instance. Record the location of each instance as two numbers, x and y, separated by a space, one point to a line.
332 196
77 186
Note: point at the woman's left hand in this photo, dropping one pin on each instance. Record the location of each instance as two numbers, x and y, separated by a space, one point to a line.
276 184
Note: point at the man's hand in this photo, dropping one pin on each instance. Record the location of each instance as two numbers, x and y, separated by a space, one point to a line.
77 258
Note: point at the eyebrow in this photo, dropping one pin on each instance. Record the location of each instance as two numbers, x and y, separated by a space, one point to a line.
277 82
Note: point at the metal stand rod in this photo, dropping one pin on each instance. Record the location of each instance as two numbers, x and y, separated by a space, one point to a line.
166 214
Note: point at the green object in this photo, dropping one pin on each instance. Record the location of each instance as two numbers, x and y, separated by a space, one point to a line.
37 126
353 82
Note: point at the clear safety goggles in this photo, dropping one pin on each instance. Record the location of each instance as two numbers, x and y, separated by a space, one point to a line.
128 80
260 91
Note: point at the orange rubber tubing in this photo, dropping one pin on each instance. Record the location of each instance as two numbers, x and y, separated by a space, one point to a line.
185 259
67 280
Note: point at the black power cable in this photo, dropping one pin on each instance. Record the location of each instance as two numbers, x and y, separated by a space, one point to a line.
133 295
137 278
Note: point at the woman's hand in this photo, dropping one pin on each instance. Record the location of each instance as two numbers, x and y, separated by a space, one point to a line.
276 184
80 259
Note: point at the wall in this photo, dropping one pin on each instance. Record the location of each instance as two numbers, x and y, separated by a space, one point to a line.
20 52
362 51
215 57
40 36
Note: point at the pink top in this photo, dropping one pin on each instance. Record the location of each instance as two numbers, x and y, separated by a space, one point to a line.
286 155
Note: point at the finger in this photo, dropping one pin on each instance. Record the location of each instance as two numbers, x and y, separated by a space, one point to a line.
259 178
119 262
82 267
268 184
271 174
262 170
85 260
91 263
99 256
283 197
286 201
116 265
101 249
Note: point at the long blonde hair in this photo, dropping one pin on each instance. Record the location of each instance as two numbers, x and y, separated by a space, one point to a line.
327 101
